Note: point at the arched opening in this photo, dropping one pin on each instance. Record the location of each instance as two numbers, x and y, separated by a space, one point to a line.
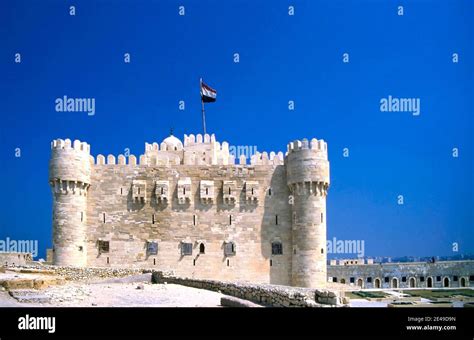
360 283
429 282
202 248
463 282
377 283
394 282
343 281
446 282
412 282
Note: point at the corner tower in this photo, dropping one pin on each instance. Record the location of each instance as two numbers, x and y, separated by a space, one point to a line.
69 177
307 170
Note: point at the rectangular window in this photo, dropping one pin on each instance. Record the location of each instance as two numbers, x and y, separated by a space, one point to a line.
438 278
369 279
352 279
455 278
153 219
230 219
322 219
422 279
471 278
82 216
276 219
334 279
152 248
194 219
271 263
103 217
386 279
103 246
404 279
229 249
186 248
277 248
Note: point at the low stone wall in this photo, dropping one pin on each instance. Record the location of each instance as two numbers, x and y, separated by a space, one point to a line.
264 294
14 258
80 273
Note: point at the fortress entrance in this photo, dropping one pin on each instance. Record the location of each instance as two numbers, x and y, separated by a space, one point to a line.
360 283
429 282
463 282
412 282
377 283
343 281
446 282
394 282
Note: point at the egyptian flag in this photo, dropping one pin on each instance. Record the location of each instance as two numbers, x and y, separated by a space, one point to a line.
208 94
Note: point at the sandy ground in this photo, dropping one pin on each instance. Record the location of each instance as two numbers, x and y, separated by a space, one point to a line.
110 293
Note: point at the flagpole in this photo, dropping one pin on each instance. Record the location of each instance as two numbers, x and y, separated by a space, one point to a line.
203 112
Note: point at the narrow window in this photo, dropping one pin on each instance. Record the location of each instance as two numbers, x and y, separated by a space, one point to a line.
322 219
276 219
228 262
271 263
194 219
207 191
162 191
230 219
108 260
82 216
269 191
194 262
154 262
322 250
153 219
202 248
121 191
184 191
139 190
252 191
229 191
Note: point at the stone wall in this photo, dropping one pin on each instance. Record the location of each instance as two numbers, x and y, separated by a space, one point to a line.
14 258
264 294
405 275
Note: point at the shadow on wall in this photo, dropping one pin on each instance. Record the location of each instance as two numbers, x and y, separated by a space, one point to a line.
276 227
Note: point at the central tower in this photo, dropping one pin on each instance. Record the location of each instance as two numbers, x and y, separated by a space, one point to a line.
307 171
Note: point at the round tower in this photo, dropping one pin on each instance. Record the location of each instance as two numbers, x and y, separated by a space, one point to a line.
69 177
307 170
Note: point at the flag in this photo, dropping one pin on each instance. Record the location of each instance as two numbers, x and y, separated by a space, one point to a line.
208 94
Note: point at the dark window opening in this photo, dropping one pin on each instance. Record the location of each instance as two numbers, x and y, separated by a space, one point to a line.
139 190
386 280
230 219
202 248
404 279
194 219
322 219
271 263
194 262
229 191
186 248
352 280
152 248
154 262
438 278
108 260
334 279
276 219
322 250
162 191
269 191
207 191
81 248
252 191
229 248
121 191
103 217
184 191
369 279
153 219
82 216
422 279
104 246
471 278
277 248
455 278
228 262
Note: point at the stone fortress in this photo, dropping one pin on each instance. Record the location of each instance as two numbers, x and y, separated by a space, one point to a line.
194 209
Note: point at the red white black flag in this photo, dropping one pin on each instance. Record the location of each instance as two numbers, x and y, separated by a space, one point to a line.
208 94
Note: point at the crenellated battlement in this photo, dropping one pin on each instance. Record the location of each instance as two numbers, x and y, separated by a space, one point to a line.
198 139
304 144
66 144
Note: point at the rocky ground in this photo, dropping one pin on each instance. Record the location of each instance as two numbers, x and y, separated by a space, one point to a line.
132 291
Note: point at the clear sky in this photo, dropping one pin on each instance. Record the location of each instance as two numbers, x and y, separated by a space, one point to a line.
281 58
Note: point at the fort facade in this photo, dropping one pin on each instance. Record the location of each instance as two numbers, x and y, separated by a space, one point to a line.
190 207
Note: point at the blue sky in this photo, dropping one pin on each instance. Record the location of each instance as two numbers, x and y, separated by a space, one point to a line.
282 58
